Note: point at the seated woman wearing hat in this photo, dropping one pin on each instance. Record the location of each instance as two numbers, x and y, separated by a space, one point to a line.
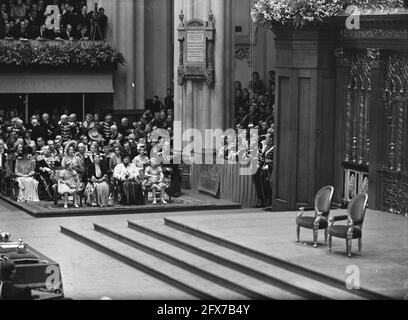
69 182
154 180
97 190
25 172
127 176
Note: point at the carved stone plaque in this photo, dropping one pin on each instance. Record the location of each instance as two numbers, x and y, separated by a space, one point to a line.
196 44
196 40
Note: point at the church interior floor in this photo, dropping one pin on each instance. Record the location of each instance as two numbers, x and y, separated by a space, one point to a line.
91 274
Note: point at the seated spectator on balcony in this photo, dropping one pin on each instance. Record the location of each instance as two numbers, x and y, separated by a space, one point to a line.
83 19
69 18
65 129
97 120
40 143
102 22
25 171
63 8
169 99
256 85
48 126
68 33
41 9
58 35
156 105
37 130
106 125
87 125
44 34
4 8
252 118
157 121
34 18
124 127
18 10
73 121
84 36
8 33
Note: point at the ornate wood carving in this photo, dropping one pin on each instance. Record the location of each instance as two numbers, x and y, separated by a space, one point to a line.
395 188
196 41
359 91
374 34
396 97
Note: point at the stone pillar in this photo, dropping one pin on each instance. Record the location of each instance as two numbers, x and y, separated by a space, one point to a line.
197 105
124 39
140 51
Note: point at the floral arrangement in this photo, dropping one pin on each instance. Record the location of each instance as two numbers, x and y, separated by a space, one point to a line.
299 13
51 54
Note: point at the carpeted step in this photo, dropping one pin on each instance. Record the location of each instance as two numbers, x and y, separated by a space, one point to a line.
164 271
229 278
280 275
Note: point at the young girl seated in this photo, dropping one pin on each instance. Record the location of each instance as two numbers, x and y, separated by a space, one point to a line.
69 184
154 180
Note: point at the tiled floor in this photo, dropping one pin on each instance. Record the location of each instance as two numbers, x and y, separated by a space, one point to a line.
86 273
382 265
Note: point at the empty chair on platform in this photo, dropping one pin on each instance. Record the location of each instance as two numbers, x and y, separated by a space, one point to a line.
320 220
355 219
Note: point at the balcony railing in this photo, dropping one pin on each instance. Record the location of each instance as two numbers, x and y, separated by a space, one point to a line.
57 54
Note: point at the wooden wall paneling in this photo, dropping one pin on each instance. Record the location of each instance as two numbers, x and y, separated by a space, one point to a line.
325 129
342 78
284 157
377 134
306 146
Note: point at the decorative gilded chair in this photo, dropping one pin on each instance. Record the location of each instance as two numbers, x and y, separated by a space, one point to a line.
320 220
355 219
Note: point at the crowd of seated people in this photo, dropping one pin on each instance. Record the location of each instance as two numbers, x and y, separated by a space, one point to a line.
254 110
254 106
26 19
95 162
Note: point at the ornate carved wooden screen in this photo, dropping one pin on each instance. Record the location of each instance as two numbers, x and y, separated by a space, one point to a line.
393 169
358 101
361 67
389 96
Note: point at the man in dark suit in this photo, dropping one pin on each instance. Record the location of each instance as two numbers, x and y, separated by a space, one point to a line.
68 33
102 22
8 291
45 166
44 34
83 19
22 31
69 17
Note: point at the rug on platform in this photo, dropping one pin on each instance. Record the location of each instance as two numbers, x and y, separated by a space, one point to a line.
187 202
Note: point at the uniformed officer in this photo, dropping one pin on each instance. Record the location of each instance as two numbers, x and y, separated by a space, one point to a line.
267 169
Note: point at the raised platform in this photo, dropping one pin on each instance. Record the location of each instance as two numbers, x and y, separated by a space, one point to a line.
189 201
252 256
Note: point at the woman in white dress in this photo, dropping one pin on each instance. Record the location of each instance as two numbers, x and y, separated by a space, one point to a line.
25 171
